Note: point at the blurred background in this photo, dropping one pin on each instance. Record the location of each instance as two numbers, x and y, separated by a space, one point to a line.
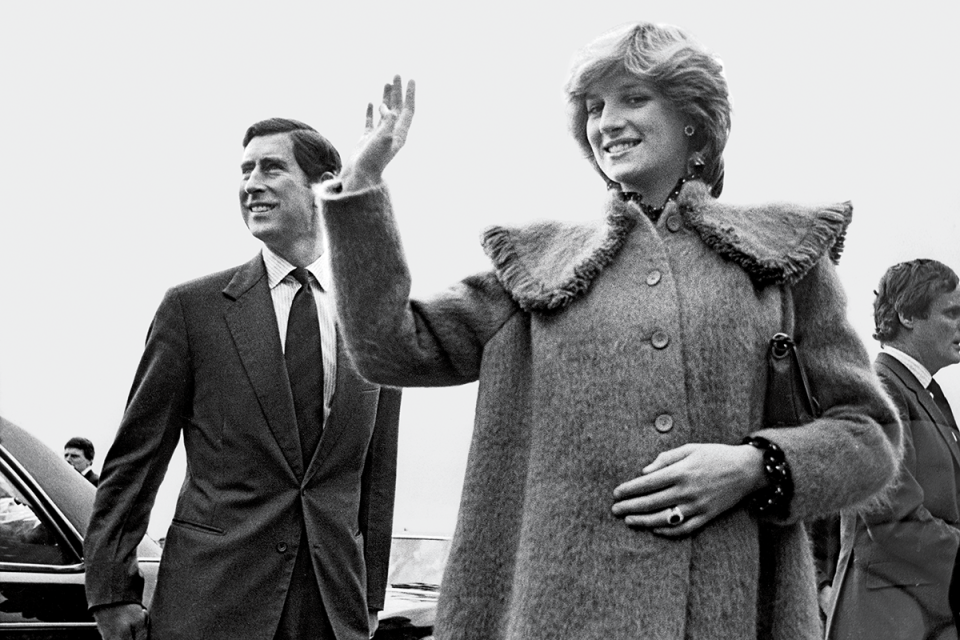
121 147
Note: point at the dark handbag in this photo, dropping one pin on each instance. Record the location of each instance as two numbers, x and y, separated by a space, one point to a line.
789 401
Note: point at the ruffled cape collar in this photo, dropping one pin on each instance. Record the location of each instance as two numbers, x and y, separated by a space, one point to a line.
546 266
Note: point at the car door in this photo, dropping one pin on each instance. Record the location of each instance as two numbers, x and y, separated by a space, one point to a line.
41 567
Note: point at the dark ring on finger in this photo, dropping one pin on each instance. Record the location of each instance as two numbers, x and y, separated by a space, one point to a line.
676 516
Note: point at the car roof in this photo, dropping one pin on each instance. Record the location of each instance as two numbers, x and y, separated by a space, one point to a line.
54 476
68 490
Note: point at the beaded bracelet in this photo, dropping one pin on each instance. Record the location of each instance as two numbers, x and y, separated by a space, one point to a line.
774 499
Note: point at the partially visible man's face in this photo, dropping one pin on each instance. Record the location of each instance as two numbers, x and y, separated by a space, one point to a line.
76 458
935 340
276 200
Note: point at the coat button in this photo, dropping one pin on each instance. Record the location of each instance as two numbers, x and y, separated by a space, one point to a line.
660 339
653 277
663 423
674 222
281 547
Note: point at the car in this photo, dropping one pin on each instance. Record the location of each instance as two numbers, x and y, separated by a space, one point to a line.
416 566
44 508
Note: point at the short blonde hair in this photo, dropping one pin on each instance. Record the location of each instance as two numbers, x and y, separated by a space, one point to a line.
688 76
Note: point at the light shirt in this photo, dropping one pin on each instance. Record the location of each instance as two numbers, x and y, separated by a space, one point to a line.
283 287
919 371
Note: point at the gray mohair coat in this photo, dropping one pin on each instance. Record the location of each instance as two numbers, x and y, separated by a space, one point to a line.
598 347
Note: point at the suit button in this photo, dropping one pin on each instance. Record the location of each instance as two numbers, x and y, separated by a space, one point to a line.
674 223
663 423
653 277
281 547
660 339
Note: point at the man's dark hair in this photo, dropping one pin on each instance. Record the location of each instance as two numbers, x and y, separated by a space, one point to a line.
909 288
83 444
312 151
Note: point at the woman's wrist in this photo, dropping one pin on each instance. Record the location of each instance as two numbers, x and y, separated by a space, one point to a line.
773 499
756 478
354 179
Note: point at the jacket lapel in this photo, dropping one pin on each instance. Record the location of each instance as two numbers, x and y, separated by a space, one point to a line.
253 325
925 400
345 407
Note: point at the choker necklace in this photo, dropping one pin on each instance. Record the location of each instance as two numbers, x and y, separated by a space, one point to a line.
649 210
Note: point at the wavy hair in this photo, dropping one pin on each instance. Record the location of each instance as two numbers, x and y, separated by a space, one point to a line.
909 288
688 76
314 154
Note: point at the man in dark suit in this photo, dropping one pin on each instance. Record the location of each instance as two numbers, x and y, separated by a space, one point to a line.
79 452
898 555
282 528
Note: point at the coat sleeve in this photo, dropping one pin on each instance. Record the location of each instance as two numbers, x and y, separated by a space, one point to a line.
377 491
137 461
391 339
850 454
901 527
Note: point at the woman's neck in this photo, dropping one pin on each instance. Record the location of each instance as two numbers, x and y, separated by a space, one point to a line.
652 210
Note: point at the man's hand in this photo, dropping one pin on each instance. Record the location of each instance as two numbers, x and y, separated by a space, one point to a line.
127 621
380 143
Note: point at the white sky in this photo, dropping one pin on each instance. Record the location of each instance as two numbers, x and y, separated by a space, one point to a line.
121 147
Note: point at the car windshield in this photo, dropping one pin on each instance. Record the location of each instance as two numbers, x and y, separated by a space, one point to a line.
418 562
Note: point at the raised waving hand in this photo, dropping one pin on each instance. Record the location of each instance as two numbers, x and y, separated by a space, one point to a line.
380 142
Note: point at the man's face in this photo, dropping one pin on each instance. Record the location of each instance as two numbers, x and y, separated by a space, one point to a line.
935 340
276 200
76 458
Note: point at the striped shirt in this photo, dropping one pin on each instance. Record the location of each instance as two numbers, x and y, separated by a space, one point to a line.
918 370
283 286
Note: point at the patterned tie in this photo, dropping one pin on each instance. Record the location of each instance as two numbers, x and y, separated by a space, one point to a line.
305 364
941 402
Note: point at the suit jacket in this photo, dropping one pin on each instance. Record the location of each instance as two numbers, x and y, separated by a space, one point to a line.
896 562
91 477
213 371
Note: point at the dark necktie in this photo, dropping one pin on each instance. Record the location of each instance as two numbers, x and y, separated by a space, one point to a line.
305 364
941 402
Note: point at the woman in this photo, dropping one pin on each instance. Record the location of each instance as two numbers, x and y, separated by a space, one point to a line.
617 485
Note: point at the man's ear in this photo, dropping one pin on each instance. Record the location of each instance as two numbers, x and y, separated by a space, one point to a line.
905 322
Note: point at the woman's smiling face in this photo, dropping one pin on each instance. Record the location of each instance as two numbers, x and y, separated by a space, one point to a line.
636 135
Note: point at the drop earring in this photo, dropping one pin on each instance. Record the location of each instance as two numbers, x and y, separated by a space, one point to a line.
696 164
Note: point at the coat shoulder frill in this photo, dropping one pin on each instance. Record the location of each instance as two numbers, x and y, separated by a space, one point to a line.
545 266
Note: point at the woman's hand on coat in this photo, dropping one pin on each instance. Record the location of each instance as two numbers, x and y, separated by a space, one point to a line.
381 142
701 481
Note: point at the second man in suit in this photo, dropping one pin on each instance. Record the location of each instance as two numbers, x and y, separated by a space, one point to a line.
282 528
897 558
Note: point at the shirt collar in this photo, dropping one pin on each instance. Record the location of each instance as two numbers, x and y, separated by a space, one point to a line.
278 268
911 363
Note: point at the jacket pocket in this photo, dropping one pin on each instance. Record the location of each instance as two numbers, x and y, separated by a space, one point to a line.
880 575
196 526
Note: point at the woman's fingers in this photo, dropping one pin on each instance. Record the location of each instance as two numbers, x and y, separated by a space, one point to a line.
396 109
649 504
381 140
685 528
676 521
406 113
668 458
396 93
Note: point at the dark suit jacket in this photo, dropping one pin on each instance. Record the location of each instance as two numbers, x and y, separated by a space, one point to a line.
213 370
91 477
896 563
